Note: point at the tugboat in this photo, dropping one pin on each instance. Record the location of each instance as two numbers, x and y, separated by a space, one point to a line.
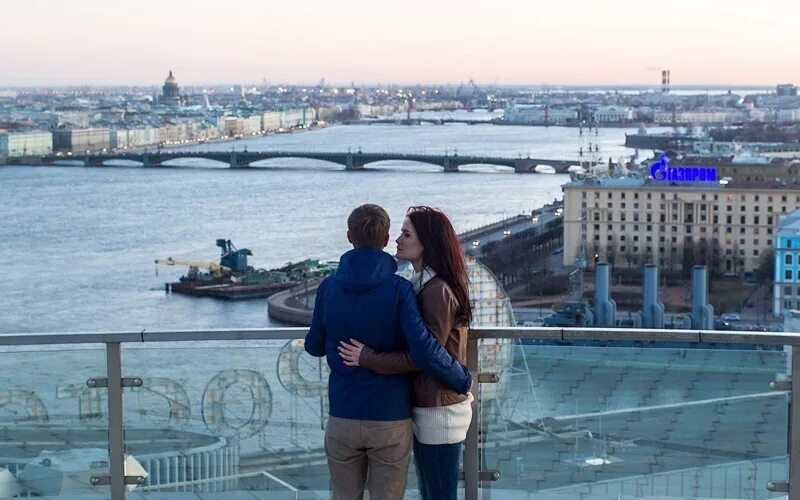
232 278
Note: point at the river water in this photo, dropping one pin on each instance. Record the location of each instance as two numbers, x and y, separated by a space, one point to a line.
79 243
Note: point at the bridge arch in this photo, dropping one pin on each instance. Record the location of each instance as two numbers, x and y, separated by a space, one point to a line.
294 162
544 169
485 168
576 169
121 162
194 161
401 164
67 162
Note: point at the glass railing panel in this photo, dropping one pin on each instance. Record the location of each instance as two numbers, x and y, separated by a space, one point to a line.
625 421
227 416
53 427
216 417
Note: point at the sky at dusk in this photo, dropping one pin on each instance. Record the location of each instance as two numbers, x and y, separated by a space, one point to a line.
66 42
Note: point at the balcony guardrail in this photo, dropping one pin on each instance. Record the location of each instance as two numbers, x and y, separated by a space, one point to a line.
114 381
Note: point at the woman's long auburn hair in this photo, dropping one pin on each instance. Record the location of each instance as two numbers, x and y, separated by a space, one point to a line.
442 253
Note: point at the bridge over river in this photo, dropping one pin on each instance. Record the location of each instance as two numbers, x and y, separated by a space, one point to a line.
349 160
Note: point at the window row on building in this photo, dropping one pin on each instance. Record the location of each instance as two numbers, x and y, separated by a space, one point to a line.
674 225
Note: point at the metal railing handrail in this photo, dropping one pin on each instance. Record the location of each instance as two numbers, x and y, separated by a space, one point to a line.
140 336
527 333
637 334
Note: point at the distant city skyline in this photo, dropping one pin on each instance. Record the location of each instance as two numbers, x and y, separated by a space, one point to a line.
507 42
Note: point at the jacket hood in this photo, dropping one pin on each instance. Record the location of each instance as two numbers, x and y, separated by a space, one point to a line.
364 268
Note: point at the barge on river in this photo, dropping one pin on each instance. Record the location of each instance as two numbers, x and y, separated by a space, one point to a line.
234 279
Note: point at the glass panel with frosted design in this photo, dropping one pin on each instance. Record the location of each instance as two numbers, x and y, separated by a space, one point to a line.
625 421
53 428
228 417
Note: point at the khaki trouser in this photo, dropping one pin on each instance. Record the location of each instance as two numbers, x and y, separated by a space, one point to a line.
368 450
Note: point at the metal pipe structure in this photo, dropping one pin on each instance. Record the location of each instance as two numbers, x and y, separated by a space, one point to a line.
605 309
652 313
702 315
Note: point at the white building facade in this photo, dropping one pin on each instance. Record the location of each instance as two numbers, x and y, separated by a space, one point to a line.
614 114
539 115
13 144
634 222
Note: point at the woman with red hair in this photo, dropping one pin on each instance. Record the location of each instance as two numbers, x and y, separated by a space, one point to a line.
441 416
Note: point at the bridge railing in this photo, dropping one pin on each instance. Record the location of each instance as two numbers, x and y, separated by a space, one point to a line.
559 413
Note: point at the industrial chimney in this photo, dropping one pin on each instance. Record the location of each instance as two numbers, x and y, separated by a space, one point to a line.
702 315
652 313
605 310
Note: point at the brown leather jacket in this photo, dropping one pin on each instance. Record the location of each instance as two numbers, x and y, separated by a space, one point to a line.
438 305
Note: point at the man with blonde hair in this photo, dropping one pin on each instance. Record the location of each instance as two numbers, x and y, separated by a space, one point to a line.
369 427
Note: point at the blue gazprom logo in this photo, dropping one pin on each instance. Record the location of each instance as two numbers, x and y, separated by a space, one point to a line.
661 171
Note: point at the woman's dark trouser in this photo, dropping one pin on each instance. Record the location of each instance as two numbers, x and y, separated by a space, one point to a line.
437 469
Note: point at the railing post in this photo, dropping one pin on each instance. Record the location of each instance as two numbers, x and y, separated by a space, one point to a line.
794 427
471 453
116 437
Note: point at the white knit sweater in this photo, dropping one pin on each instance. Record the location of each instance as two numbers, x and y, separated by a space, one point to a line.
443 424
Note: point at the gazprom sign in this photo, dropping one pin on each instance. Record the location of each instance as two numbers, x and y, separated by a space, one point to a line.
661 171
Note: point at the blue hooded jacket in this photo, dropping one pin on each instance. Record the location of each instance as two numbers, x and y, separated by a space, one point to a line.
365 300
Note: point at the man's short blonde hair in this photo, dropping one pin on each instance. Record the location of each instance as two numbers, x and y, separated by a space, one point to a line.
368 226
